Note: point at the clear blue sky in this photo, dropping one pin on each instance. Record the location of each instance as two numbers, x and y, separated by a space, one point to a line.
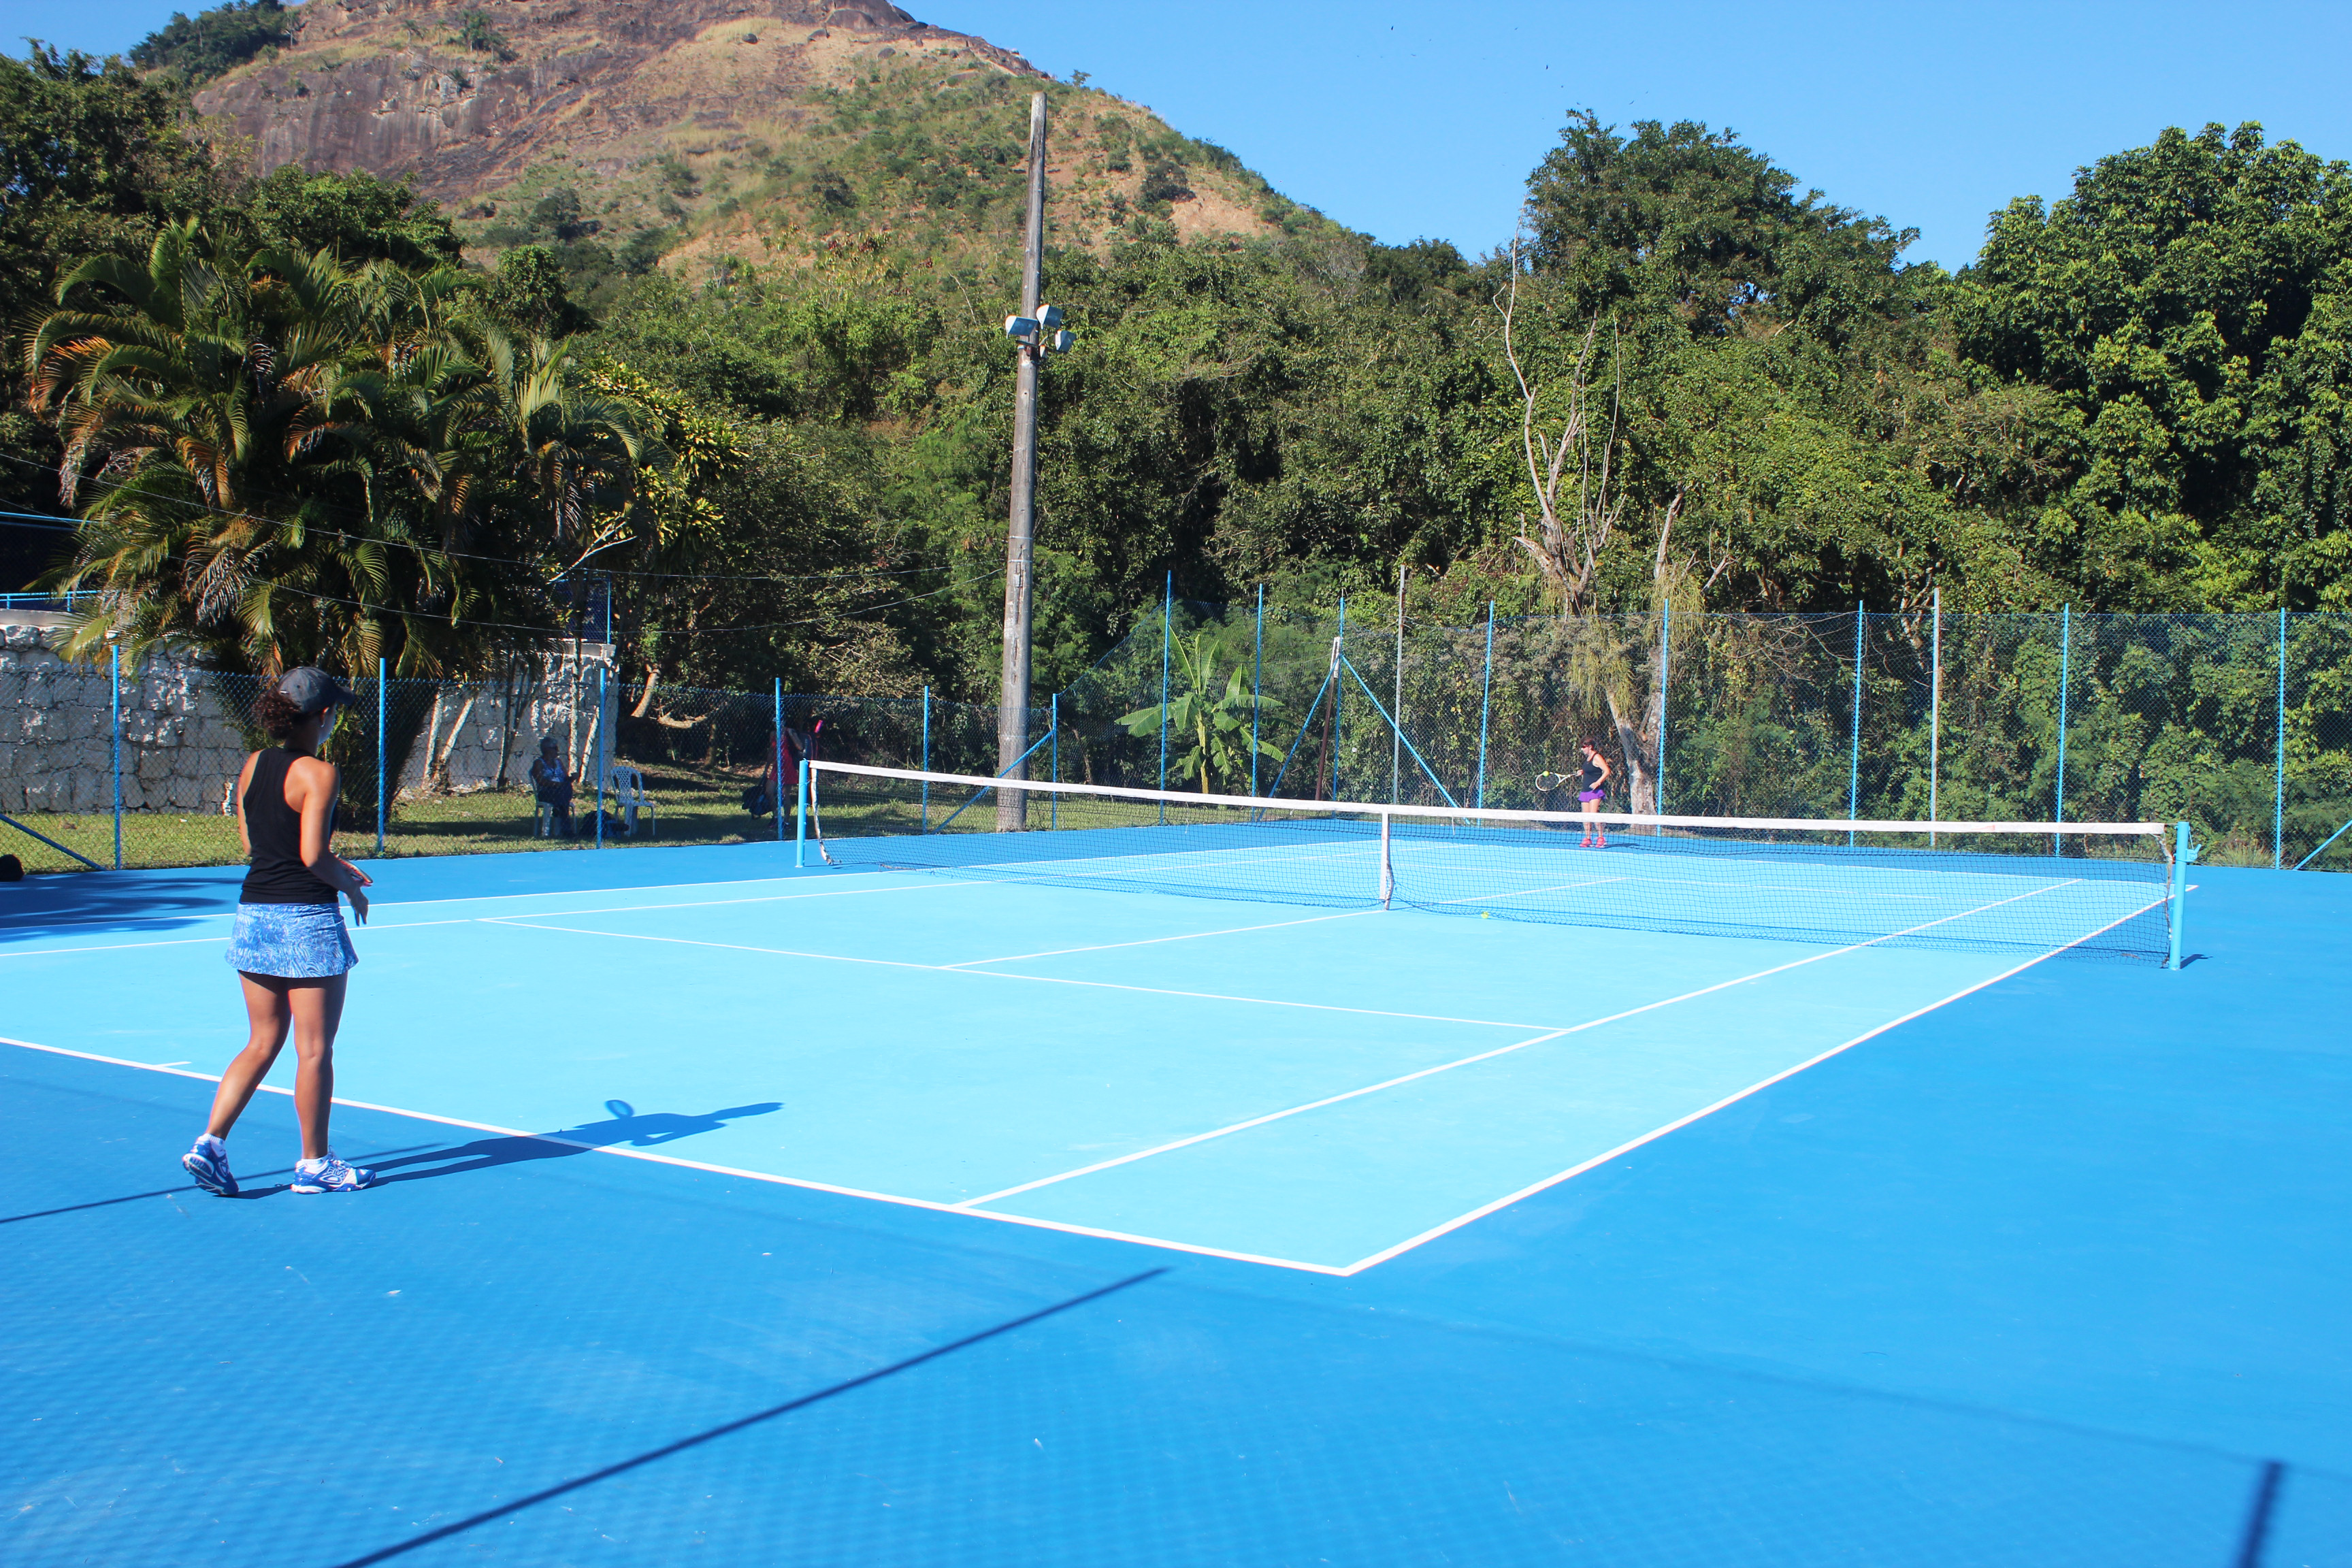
1418 120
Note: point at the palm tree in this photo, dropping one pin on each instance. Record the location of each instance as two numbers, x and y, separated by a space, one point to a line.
1211 727
572 445
217 421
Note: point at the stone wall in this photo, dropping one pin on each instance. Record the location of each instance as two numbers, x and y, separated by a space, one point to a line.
186 731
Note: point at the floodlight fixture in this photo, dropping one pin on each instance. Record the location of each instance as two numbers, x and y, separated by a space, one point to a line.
1050 317
1064 341
1021 328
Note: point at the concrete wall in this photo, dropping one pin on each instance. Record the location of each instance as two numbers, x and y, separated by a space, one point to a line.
182 741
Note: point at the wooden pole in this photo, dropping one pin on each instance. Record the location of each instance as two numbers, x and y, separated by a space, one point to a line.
1019 540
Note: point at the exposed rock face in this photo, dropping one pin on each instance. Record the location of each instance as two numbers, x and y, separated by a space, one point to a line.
395 87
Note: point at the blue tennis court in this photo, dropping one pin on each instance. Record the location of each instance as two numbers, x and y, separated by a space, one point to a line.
996 1213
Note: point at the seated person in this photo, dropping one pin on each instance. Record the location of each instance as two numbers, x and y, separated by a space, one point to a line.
552 788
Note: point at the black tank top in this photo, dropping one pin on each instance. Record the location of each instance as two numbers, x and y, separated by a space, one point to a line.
1592 775
279 876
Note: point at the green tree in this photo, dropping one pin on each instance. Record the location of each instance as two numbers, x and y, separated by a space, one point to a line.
1208 715
198 48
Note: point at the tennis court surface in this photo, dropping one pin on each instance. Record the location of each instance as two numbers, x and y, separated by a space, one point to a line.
1010 1211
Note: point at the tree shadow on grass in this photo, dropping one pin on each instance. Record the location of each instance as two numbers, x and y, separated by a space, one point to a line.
626 1125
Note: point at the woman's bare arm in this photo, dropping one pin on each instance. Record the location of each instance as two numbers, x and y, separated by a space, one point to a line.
318 783
245 778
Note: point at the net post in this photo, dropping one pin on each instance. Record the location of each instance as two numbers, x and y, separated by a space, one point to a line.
776 773
1853 745
1666 668
1935 710
926 759
2278 779
1053 732
2065 652
1166 635
800 816
114 688
1257 687
2179 899
604 739
1485 701
1388 874
379 757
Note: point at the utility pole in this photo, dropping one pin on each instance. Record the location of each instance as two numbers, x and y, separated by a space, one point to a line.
1020 539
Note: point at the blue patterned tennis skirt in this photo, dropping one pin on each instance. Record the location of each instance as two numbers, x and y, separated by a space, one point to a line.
292 941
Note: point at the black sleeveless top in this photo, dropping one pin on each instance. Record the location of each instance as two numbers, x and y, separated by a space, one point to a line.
1591 774
279 876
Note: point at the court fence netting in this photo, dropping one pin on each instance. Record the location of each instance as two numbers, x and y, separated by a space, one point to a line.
2241 725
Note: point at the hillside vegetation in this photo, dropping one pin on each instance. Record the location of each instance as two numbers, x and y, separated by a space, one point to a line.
787 329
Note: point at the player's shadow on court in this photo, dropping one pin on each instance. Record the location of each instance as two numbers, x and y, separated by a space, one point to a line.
626 1125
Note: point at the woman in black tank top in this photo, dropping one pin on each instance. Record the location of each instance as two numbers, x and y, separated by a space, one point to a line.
289 946
1592 785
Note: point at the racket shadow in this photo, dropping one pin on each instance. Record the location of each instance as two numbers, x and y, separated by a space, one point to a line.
639 1130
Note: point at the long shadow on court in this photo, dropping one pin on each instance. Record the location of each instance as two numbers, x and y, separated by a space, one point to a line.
38 907
639 1131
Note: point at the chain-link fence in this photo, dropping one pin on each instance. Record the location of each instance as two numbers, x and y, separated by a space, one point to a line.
2241 724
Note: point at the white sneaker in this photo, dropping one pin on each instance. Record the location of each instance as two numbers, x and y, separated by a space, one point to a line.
330 1175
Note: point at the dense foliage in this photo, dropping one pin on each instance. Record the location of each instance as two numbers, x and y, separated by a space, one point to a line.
200 48
792 463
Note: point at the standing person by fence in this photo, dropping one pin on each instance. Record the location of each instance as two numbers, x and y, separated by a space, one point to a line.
289 946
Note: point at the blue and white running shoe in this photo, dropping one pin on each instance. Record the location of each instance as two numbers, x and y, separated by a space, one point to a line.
208 1162
330 1175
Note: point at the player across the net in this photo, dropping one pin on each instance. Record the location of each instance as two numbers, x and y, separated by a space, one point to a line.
2103 888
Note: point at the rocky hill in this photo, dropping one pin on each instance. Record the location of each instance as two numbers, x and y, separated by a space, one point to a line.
697 128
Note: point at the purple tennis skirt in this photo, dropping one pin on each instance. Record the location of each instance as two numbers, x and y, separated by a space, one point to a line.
290 942
1589 797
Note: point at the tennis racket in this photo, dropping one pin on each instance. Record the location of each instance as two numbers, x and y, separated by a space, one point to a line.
1550 782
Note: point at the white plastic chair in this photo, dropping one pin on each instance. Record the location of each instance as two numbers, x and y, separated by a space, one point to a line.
628 787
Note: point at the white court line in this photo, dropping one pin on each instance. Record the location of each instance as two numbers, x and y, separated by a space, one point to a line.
1164 862
1154 941
1522 893
1483 1210
109 947
529 922
1483 1056
767 1177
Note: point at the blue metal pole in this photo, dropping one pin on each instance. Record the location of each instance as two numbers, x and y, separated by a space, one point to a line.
1258 684
2181 852
1339 700
379 757
1853 746
1665 672
114 683
800 816
1054 801
2278 785
604 739
776 773
2066 656
1485 700
1166 634
926 759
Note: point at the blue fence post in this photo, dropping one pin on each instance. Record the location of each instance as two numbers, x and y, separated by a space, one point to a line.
379 757
800 816
114 685
1257 683
1166 634
2278 785
1853 745
2181 853
1935 712
1665 673
1486 699
2065 658
604 739
1338 696
1054 722
776 772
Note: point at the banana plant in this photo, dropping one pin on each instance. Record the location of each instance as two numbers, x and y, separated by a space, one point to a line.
1211 726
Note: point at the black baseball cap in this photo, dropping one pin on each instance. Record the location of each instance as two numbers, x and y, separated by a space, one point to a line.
312 690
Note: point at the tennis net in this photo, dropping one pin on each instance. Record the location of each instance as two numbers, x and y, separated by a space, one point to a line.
2101 889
